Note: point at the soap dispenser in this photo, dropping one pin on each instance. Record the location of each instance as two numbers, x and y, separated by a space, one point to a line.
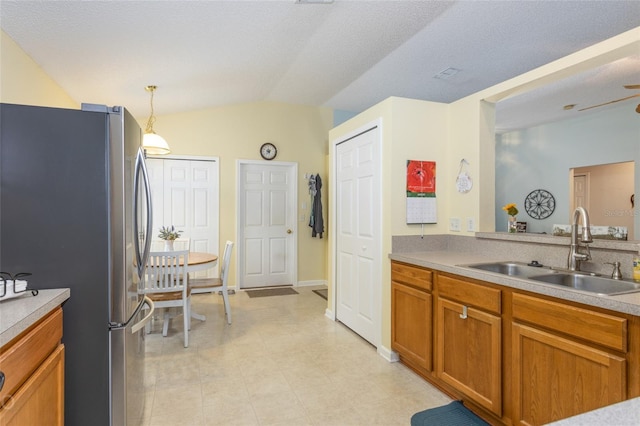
636 266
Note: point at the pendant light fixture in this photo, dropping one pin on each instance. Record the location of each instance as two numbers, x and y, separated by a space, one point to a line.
153 143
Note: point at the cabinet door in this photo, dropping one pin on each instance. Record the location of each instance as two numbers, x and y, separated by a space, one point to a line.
411 324
468 352
555 378
40 400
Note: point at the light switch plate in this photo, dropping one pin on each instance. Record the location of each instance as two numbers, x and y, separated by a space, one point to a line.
471 224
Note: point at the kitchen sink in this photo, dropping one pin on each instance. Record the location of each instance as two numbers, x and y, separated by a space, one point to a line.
516 269
592 284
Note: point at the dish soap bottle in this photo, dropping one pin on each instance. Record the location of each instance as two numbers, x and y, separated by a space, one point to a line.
636 267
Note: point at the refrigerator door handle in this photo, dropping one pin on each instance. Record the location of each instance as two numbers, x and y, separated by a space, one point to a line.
142 258
140 324
120 325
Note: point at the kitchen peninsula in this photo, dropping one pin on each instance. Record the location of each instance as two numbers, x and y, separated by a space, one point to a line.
515 350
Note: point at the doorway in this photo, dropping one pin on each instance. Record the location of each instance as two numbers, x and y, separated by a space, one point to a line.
358 232
185 194
267 226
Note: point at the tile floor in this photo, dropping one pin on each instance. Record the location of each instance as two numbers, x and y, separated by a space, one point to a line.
281 362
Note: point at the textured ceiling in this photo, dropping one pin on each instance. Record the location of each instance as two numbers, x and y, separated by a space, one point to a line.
347 55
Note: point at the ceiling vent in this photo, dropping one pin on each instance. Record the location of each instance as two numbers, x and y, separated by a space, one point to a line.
447 74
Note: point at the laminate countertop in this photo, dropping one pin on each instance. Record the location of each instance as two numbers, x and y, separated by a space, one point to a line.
625 413
20 313
453 262
621 414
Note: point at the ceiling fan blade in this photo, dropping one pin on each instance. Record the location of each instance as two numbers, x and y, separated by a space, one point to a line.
632 86
611 102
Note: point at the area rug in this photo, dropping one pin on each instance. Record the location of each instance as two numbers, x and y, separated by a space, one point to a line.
324 293
448 415
280 291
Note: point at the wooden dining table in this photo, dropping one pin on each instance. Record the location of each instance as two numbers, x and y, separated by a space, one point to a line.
200 261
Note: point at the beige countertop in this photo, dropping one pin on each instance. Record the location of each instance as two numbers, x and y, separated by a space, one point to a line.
625 413
451 261
20 313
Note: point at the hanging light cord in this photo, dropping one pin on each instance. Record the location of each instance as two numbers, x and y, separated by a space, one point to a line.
152 118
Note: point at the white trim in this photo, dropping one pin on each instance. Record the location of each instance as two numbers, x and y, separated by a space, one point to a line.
330 314
294 226
185 157
333 215
389 355
309 283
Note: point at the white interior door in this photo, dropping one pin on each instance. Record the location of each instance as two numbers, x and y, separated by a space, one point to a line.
358 258
185 194
580 191
267 227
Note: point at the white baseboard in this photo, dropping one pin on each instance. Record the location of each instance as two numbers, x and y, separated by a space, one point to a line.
388 354
329 314
309 283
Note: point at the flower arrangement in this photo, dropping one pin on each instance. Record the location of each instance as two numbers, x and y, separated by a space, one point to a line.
510 209
170 234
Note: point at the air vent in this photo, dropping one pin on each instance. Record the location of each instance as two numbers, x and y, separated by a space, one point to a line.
447 74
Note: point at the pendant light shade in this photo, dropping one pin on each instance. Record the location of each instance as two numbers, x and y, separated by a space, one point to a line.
153 143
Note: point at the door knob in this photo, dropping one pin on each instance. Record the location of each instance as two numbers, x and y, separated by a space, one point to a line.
289 231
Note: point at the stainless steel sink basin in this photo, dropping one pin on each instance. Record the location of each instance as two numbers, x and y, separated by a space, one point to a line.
599 285
516 269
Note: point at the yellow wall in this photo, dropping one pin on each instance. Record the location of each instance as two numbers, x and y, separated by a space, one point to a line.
22 81
411 130
231 133
237 132
448 133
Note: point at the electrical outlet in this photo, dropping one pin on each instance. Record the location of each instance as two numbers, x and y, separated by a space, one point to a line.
454 224
471 224
302 216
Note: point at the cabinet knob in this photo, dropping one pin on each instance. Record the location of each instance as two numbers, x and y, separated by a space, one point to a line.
1 380
289 231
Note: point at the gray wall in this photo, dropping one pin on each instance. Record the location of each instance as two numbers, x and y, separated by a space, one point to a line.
540 158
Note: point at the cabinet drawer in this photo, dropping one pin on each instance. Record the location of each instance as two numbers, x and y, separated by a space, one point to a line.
470 294
411 275
21 358
596 327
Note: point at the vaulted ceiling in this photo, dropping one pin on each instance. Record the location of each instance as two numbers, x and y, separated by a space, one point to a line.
346 54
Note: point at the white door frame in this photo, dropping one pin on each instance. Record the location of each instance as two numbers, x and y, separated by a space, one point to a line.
333 219
294 225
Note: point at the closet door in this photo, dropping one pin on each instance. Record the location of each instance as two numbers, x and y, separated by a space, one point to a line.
185 195
358 234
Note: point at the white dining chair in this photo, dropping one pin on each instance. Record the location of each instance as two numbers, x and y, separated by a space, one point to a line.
209 285
167 285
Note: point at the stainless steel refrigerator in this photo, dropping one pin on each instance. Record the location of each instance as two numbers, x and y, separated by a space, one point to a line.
74 195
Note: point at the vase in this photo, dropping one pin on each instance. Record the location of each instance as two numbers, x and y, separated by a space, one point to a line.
168 245
512 224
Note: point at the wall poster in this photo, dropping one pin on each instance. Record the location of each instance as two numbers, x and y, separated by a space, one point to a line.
421 192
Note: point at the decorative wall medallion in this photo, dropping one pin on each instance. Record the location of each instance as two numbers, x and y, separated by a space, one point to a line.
540 204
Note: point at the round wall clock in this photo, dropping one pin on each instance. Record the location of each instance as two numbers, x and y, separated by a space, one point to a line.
268 151
540 204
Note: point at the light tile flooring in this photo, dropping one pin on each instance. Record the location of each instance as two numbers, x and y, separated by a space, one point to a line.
281 362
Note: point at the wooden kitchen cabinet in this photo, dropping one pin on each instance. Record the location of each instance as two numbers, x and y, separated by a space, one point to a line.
33 365
468 348
513 357
412 315
566 360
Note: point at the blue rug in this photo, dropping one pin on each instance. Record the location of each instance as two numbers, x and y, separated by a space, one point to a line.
453 414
